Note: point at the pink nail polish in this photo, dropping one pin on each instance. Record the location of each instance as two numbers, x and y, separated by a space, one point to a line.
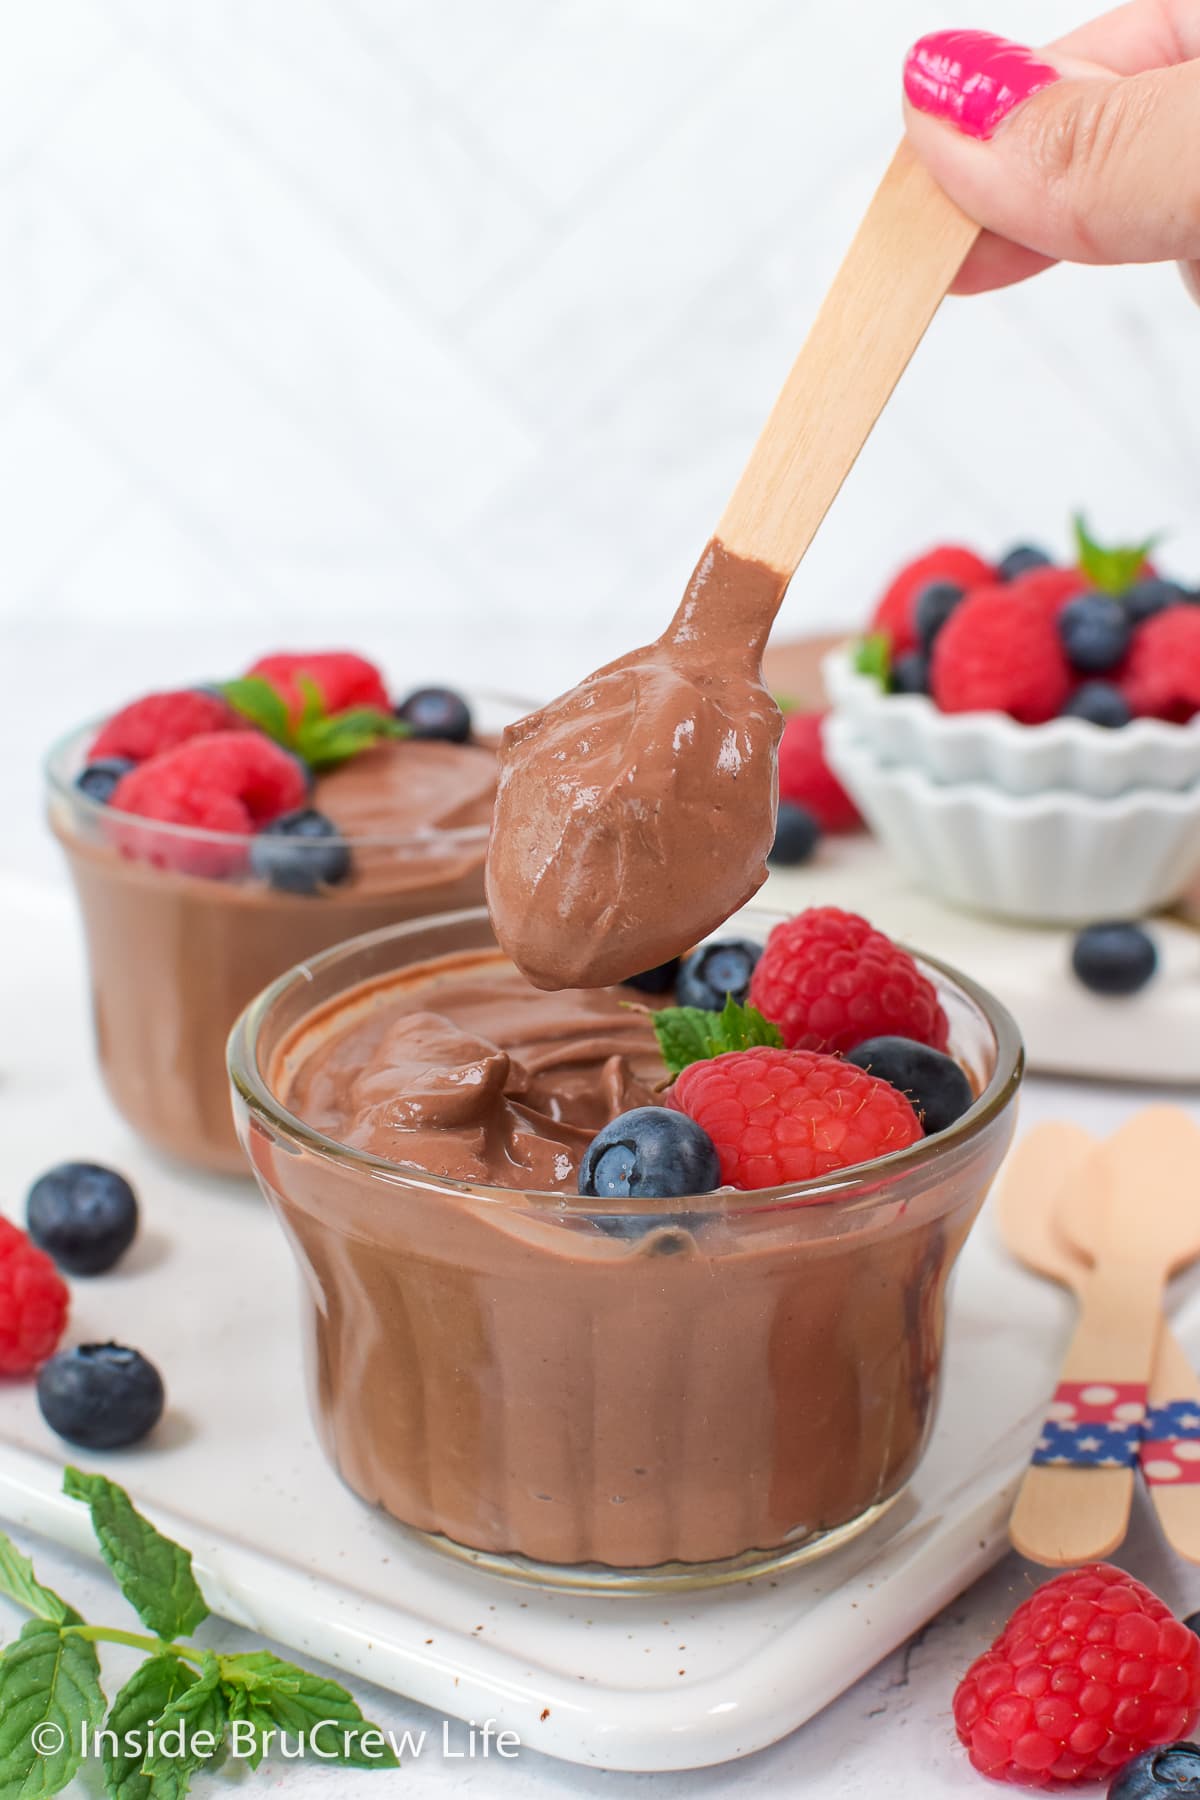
972 78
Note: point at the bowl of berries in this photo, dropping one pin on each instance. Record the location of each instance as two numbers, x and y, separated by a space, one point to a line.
635 1286
1025 737
216 835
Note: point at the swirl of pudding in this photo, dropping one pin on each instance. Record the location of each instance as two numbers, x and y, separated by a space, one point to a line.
634 814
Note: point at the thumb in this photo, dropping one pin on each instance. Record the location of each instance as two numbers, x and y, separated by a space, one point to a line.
1058 156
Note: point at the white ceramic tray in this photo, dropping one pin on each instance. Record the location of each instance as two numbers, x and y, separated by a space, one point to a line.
1151 1036
619 1683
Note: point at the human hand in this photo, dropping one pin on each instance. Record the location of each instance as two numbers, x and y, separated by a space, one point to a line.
1087 151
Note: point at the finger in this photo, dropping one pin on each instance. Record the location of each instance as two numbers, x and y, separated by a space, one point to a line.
1145 34
996 263
1191 279
1066 160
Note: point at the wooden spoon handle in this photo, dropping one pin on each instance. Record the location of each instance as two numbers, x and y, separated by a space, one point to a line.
1170 1452
908 249
1074 1502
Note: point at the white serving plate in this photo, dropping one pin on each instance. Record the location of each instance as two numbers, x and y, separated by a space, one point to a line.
908 729
281 1546
1054 856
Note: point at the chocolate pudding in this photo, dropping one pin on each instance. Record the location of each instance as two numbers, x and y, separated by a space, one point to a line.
716 1383
635 813
175 955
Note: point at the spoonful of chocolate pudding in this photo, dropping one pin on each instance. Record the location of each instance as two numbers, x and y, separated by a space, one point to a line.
634 814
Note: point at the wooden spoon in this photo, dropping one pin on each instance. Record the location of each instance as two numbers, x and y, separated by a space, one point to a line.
909 247
634 814
1130 1205
1033 1176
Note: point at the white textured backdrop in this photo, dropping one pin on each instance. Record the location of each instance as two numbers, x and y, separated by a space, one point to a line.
446 325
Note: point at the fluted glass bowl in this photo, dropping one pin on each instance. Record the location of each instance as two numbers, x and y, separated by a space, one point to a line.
667 1403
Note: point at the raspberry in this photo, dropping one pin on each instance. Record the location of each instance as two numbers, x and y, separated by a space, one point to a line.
829 980
1052 586
342 678
230 782
159 722
806 779
949 562
33 1303
1090 1670
999 652
778 1116
1161 679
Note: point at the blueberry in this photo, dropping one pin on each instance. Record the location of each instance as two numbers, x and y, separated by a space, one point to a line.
1100 703
100 1396
300 852
1114 958
937 1087
99 778
1153 595
1172 1772
1094 630
717 972
649 1154
797 835
83 1215
436 713
910 673
933 607
658 980
1193 1622
1020 559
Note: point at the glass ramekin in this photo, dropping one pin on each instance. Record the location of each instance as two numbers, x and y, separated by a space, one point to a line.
175 953
553 1401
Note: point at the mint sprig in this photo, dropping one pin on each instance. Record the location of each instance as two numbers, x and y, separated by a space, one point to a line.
873 657
322 738
199 1702
1110 570
689 1034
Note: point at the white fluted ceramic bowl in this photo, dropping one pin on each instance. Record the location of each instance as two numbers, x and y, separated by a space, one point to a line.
1051 858
908 729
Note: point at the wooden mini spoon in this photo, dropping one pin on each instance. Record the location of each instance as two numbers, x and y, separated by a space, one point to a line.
1130 1205
1032 1179
909 247
635 813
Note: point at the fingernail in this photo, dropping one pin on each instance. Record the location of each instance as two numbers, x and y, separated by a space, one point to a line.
972 78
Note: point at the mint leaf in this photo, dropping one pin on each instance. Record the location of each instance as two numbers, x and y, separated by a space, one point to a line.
683 1034
154 1574
689 1034
249 1727
322 738
332 738
262 705
295 1700
743 1028
51 1679
873 657
19 1583
148 1693
786 704
312 703
1112 570
201 1715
